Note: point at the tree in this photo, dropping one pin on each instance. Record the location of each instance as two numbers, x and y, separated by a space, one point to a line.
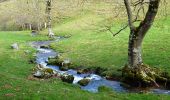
135 72
48 11
3 0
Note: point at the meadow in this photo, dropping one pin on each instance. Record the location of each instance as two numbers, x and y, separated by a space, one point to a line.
89 46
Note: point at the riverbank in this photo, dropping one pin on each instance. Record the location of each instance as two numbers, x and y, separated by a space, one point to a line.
88 48
16 82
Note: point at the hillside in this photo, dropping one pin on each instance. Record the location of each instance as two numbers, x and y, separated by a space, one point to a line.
87 43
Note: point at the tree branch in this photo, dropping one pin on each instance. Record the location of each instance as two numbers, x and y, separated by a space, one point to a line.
123 28
129 13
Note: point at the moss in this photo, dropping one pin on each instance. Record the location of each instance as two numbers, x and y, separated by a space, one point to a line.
55 61
67 78
84 82
52 61
48 70
64 68
143 76
99 70
111 74
41 72
83 70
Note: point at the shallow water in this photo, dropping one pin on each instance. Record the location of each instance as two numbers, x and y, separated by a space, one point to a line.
96 80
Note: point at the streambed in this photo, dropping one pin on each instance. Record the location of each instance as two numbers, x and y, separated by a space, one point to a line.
96 81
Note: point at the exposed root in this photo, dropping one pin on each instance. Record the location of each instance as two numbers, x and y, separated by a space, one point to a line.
142 76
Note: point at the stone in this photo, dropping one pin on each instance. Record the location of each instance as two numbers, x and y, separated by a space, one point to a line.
64 68
55 61
52 61
15 46
38 74
82 71
40 66
45 46
67 78
41 72
48 71
66 62
84 82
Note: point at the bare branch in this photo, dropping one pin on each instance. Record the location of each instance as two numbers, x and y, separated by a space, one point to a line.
129 13
123 28
81 3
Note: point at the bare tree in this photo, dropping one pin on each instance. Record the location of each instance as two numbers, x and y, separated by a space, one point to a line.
48 11
135 70
3 0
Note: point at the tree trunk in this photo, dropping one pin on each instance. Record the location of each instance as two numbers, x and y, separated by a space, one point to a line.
30 26
45 25
134 51
48 10
136 70
137 34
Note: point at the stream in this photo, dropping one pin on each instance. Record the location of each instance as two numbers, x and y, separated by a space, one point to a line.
96 80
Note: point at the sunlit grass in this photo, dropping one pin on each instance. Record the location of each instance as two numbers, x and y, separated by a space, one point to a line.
91 48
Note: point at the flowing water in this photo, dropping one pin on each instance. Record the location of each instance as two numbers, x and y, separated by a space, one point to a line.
96 80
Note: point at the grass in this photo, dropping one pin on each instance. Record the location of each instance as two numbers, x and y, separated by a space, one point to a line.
89 48
16 82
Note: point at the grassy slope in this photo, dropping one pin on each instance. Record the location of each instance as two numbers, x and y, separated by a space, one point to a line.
15 82
89 48
86 47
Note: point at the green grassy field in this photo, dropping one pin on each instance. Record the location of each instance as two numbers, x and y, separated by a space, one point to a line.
16 82
87 47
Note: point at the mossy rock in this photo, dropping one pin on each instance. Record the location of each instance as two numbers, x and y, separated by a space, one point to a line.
79 71
55 61
43 73
64 68
48 70
67 78
111 74
39 74
84 82
83 71
52 61
100 70
65 62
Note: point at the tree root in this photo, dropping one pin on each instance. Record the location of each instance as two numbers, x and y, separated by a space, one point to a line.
142 76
